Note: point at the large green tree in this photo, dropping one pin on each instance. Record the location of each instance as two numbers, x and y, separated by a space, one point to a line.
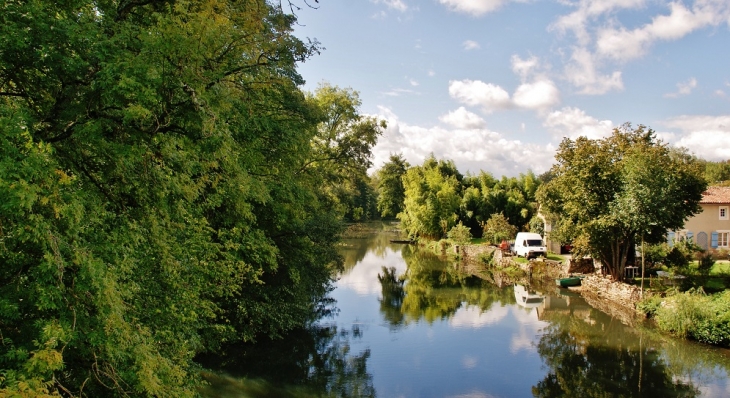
341 151
432 198
391 193
154 204
611 193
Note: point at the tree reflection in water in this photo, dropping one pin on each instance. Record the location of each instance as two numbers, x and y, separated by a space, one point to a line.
430 290
581 365
316 362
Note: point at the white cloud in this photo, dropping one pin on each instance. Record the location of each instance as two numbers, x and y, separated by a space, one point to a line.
573 123
470 45
473 317
601 37
472 149
431 73
397 92
463 119
683 88
540 95
413 82
623 44
393 4
524 67
473 7
706 136
588 10
477 93
581 71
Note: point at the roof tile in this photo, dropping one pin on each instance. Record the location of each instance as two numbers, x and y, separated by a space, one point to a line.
716 195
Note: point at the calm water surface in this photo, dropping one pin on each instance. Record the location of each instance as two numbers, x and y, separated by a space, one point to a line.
409 324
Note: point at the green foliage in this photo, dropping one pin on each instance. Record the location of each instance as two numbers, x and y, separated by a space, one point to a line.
717 173
537 225
167 189
695 315
611 193
487 258
497 229
391 193
705 262
341 149
460 234
431 199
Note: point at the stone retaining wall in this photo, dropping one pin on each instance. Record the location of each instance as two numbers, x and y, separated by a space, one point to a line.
620 294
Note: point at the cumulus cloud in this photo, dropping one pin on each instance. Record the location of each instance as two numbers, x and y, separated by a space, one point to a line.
538 95
683 88
573 123
397 5
602 38
586 14
473 7
582 72
524 67
463 119
471 149
623 44
477 93
706 136
470 45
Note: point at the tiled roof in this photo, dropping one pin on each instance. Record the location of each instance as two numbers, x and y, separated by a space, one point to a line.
716 195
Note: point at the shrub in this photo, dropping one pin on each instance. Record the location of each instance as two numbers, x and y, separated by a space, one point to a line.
487 258
705 262
460 234
695 315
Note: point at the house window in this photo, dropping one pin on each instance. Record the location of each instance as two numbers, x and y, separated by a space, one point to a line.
723 213
722 239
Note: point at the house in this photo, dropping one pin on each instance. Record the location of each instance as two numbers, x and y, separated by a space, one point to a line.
711 227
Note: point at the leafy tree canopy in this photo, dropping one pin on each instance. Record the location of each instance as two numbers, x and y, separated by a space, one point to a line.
609 193
154 200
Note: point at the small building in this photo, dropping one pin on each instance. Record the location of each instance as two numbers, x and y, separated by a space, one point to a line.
711 227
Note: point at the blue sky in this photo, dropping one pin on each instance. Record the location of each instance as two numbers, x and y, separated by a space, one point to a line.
495 85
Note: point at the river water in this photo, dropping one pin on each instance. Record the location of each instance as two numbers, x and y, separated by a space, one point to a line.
409 323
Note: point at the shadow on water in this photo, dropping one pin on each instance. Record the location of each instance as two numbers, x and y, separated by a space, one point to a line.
313 362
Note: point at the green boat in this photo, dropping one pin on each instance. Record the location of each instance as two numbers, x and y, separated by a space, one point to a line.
569 281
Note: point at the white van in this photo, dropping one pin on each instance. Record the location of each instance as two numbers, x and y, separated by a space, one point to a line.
529 244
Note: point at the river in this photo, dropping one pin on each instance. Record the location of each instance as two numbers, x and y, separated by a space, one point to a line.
409 323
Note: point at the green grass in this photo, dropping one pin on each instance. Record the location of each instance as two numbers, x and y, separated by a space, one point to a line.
478 241
721 267
556 257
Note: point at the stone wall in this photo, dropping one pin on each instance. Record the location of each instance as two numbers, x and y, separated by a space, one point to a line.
620 294
580 266
472 252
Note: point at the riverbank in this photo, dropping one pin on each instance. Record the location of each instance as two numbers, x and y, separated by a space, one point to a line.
617 299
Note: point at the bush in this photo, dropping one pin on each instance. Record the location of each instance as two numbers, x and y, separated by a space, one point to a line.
460 234
695 315
705 262
487 258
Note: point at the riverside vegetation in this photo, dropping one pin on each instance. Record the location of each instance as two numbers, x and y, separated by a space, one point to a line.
169 190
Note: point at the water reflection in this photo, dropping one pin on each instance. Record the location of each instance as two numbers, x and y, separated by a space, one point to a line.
315 362
411 324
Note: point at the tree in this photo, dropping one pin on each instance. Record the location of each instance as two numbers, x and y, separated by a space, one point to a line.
460 234
153 204
391 193
341 150
432 198
611 193
497 229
